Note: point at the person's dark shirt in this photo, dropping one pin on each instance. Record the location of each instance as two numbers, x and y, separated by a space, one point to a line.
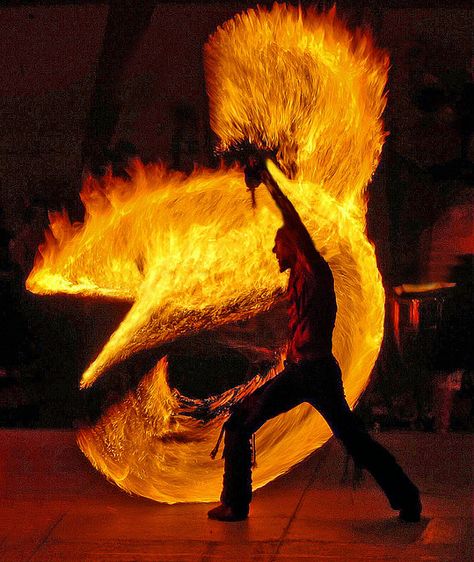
311 309
312 300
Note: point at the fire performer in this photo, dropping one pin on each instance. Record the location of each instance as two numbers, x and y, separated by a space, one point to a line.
311 374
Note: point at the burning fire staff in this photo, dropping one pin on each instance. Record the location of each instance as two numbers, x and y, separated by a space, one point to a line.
311 374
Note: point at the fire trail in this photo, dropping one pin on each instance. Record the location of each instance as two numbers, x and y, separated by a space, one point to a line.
192 254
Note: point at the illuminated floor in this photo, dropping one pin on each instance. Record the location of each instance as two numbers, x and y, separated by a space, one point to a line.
55 507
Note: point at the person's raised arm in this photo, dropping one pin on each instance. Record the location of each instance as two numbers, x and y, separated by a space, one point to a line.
292 220
290 215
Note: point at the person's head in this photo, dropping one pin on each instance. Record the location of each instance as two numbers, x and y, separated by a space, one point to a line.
284 249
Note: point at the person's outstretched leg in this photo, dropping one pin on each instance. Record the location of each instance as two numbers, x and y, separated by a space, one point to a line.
237 486
278 395
402 494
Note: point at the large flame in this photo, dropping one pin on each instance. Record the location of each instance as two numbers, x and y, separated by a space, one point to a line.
193 255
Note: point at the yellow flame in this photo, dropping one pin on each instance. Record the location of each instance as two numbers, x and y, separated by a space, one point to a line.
305 85
192 254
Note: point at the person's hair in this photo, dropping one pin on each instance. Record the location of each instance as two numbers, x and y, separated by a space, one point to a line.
284 233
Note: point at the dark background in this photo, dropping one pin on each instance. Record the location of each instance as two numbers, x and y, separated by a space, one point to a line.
86 84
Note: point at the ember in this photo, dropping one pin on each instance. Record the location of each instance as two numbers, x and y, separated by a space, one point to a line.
192 254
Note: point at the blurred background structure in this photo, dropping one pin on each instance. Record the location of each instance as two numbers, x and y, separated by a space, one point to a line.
90 84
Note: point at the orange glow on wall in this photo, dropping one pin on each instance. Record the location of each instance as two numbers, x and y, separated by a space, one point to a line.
396 320
414 314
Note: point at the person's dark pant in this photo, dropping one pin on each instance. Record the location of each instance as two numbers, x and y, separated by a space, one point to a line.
319 383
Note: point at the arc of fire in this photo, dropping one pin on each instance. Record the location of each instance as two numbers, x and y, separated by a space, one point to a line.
192 254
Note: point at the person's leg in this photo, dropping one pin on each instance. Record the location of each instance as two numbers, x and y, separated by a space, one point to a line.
278 395
330 401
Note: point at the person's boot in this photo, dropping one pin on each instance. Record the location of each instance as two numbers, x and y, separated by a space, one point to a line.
411 513
227 513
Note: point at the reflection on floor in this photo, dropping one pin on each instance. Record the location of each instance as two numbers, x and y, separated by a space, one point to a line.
55 507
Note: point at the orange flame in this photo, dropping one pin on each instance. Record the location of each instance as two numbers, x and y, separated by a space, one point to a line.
192 254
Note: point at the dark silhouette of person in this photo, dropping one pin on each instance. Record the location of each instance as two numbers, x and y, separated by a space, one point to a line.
311 374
